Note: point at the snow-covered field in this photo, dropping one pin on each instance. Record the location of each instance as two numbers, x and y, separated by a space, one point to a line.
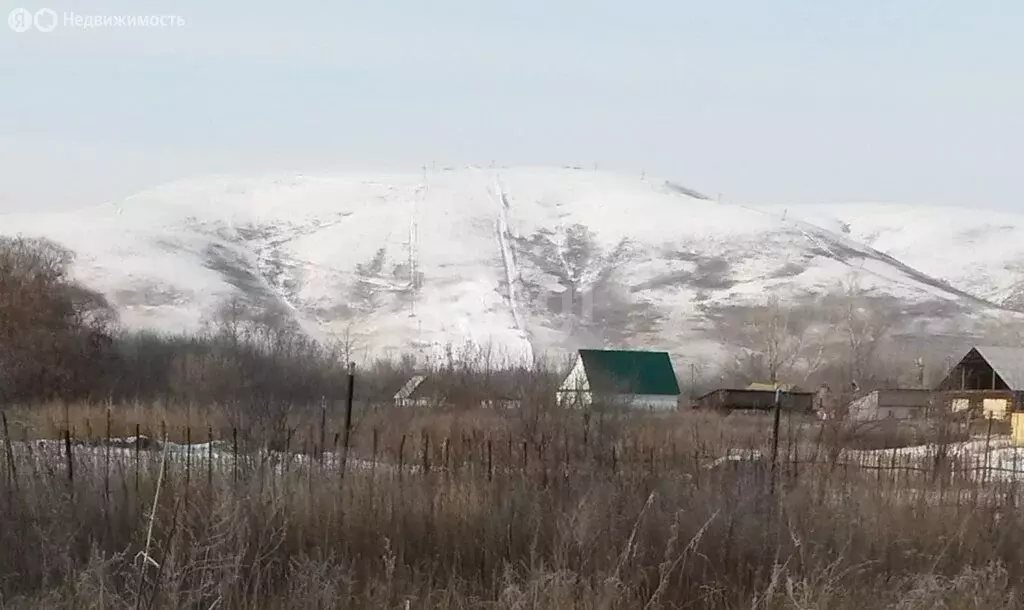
122 453
992 459
522 260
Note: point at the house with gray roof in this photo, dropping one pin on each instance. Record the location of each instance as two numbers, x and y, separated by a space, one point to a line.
988 380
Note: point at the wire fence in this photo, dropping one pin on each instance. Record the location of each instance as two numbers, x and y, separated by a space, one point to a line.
210 455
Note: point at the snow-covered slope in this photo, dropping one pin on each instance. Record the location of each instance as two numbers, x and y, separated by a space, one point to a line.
521 259
977 250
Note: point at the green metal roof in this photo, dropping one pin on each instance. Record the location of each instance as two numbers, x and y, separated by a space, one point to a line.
629 372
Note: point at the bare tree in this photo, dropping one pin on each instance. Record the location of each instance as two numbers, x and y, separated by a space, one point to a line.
862 325
55 332
771 340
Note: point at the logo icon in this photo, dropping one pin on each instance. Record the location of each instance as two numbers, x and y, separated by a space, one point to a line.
45 20
20 20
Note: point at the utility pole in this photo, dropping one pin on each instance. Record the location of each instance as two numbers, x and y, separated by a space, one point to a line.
693 380
775 437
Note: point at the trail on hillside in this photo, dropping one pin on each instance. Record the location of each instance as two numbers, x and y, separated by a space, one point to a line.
508 258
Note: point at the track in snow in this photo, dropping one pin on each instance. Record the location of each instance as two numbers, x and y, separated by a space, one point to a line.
507 260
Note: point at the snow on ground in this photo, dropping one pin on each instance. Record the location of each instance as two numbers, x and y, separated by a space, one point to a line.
219 455
419 261
979 251
995 458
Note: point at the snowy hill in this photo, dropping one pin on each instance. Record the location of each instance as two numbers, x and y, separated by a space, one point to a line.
979 251
523 259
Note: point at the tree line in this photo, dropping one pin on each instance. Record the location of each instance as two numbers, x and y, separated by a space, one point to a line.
61 341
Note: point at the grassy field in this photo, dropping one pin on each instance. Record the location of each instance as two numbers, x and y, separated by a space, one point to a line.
490 510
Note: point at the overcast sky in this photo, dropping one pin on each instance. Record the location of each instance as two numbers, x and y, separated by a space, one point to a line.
783 101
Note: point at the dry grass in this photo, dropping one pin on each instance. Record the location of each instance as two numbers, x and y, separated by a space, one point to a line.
591 522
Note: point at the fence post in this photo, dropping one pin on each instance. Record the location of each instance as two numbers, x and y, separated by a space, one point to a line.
106 474
988 439
347 438
11 466
775 439
544 461
376 438
209 457
71 467
323 429
426 452
401 457
489 464
188 461
138 448
445 454
234 454
287 458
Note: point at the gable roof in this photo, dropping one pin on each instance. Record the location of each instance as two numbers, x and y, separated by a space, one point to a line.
410 386
1007 362
629 372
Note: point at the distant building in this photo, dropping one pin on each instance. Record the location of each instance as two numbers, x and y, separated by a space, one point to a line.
988 380
424 391
757 398
892 404
415 393
635 379
771 387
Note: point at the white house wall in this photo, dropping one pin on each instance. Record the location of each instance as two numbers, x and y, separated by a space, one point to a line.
864 408
652 402
576 380
655 402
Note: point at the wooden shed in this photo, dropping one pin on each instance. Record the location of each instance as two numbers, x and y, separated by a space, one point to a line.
747 399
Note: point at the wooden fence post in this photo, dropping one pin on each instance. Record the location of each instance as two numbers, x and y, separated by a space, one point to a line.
347 438
71 467
988 440
775 439
401 457
138 449
426 452
209 457
188 462
490 471
12 468
376 438
323 429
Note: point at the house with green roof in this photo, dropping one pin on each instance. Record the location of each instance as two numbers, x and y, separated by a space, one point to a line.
638 379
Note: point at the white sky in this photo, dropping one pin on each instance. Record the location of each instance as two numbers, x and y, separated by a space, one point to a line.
801 101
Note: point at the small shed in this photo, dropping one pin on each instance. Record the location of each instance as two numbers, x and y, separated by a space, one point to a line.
417 392
747 399
892 404
435 390
987 380
635 379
